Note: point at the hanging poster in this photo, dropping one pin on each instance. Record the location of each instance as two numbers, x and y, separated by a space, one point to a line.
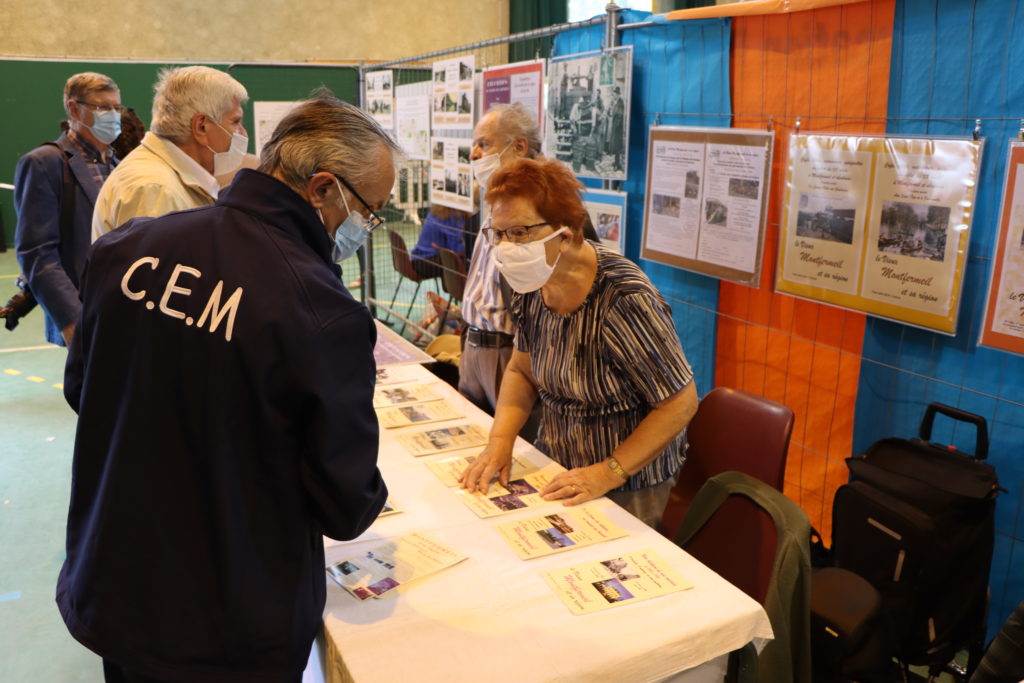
879 225
450 173
380 98
587 121
412 120
607 211
453 93
707 199
521 82
266 116
1004 310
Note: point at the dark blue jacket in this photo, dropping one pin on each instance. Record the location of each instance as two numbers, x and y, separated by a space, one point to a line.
223 378
51 265
449 233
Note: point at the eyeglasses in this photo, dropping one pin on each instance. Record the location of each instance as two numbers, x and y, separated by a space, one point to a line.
517 233
102 107
375 220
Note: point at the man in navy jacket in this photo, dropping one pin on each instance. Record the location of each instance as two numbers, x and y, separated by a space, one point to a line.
223 378
64 178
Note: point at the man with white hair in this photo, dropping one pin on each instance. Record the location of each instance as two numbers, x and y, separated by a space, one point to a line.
196 134
224 379
55 187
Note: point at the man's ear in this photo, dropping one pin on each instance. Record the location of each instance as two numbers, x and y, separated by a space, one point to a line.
200 125
318 187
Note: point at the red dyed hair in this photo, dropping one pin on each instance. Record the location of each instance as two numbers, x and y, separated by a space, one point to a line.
549 185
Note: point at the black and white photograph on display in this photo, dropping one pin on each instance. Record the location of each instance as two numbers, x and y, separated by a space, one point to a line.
438 150
691 187
826 218
715 212
665 205
917 230
587 122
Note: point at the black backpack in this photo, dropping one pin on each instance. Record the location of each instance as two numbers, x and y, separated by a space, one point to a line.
917 521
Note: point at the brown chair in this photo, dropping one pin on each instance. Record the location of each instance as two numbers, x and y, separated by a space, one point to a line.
453 277
402 263
732 431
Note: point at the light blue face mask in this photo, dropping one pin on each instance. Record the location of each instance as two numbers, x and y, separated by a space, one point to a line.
106 126
351 234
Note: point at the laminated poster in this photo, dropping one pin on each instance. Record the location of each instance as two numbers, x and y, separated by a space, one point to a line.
521 82
443 439
453 93
451 176
879 225
707 200
1004 311
410 393
575 527
597 586
412 120
394 349
417 413
449 470
516 495
380 98
376 573
607 210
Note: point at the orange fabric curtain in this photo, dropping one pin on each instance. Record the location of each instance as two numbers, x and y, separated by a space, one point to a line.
830 67
746 9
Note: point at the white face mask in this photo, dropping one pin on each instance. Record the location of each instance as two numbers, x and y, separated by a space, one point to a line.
525 266
484 167
226 162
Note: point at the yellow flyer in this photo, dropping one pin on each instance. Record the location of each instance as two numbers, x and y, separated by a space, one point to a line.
449 470
597 586
384 396
574 528
441 439
418 413
516 495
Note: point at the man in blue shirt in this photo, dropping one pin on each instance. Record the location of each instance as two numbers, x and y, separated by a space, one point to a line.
224 378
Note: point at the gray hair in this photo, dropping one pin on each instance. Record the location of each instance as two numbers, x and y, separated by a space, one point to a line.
80 86
516 121
326 134
183 92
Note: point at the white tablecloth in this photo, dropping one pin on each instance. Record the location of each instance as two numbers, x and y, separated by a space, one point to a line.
492 617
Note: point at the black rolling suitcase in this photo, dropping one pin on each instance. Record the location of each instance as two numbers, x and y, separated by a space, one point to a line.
917 521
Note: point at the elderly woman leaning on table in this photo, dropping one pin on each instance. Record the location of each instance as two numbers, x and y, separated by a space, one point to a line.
595 343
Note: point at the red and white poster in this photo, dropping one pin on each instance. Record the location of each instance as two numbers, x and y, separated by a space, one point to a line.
520 82
1004 311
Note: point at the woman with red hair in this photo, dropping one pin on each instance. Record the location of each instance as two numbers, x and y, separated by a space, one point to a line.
595 343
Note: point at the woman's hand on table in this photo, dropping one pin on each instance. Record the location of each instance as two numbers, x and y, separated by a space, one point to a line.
581 484
493 459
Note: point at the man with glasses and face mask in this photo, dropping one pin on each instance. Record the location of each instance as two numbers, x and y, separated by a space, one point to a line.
224 379
196 134
55 188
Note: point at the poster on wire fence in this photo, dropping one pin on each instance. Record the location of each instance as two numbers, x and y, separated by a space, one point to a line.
453 94
607 210
380 99
412 120
587 117
522 82
451 177
879 225
707 200
1003 327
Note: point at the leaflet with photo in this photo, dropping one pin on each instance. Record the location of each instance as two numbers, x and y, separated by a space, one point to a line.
518 494
408 393
397 374
418 413
443 439
450 469
597 586
574 528
381 570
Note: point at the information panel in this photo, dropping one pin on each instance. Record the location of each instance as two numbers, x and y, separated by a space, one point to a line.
707 198
879 225
1004 311
521 82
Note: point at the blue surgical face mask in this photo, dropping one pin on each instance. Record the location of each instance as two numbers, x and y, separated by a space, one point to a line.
106 125
352 232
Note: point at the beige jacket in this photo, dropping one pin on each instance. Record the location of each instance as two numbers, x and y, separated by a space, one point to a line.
154 179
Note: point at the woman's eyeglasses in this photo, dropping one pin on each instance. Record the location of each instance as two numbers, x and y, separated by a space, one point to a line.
517 233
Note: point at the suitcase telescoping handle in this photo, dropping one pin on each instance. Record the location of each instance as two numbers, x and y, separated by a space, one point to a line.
981 440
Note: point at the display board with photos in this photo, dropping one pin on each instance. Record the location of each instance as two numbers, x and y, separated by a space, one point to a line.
453 94
1003 327
412 120
707 200
522 82
380 97
451 174
587 118
879 224
607 210
266 115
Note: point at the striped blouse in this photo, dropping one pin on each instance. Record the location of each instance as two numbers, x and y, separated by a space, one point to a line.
599 368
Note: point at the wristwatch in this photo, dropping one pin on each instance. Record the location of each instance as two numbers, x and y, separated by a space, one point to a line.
616 467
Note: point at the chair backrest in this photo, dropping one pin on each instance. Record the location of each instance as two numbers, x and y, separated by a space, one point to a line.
400 258
453 272
757 539
732 431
